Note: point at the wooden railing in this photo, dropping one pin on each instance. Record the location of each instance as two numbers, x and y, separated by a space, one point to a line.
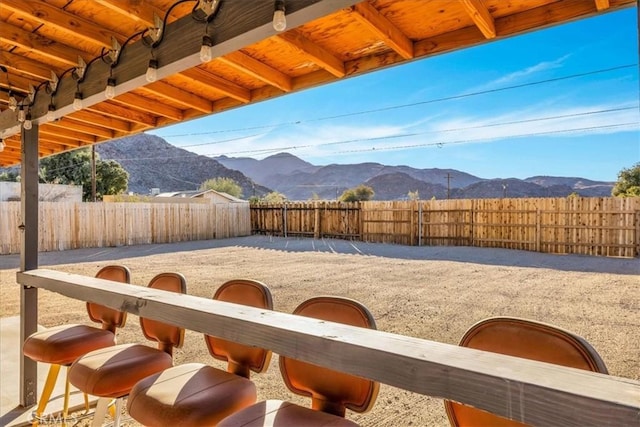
608 226
527 391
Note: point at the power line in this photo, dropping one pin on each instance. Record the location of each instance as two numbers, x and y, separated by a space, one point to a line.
430 101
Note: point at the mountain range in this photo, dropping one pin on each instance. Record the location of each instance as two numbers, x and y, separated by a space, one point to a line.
153 163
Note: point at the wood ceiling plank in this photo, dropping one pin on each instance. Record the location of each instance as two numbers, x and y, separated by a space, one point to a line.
218 83
62 20
146 105
257 69
180 96
55 131
67 123
313 52
39 44
383 28
90 118
118 112
19 83
139 11
481 16
25 65
602 5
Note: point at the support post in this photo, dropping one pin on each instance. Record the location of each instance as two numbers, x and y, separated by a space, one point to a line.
28 260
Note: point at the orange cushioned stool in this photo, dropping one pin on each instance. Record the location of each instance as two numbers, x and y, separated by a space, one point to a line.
331 392
113 371
527 339
62 345
195 394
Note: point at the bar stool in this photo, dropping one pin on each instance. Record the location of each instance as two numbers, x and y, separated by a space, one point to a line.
331 392
61 345
196 394
527 339
110 373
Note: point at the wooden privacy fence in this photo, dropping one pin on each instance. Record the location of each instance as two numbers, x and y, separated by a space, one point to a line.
590 226
82 225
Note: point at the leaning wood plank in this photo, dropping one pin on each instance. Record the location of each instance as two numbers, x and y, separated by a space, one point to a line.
531 392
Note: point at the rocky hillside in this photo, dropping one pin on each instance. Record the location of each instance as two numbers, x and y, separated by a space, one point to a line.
300 180
154 163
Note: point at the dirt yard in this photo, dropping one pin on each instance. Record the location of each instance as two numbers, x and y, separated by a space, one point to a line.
434 293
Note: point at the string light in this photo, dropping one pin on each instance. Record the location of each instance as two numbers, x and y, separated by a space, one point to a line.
28 124
152 71
51 112
21 114
13 103
2 145
110 90
279 19
206 51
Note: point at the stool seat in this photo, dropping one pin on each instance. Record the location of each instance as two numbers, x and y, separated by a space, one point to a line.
192 394
112 372
280 413
62 345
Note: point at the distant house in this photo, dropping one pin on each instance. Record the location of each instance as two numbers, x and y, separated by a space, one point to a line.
10 192
212 196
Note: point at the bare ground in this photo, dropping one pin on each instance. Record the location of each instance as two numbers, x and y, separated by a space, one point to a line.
434 293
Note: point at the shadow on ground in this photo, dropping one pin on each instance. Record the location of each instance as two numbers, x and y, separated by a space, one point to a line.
465 254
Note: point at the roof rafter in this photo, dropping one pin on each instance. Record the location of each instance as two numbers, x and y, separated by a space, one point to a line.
383 28
67 123
602 4
24 65
315 53
257 69
187 99
91 118
135 10
481 16
218 83
147 105
40 44
116 111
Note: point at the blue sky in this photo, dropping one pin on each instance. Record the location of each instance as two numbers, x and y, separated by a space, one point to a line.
508 108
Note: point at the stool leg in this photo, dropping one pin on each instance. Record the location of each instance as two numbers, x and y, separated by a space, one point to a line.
52 376
100 412
65 406
116 418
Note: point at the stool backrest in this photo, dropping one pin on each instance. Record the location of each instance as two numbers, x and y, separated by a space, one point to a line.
527 339
109 317
168 336
241 359
331 391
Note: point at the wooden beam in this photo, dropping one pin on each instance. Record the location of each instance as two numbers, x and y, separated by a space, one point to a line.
525 390
147 105
90 118
25 65
62 20
112 110
219 84
40 45
18 83
391 35
58 131
89 129
259 70
179 96
602 5
313 52
481 16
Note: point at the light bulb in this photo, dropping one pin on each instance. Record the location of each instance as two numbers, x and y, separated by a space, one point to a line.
13 103
152 71
2 145
77 101
279 20
110 90
21 115
28 124
51 113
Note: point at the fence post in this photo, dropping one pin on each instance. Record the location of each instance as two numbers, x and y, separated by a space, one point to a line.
538 230
419 224
284 219
316 221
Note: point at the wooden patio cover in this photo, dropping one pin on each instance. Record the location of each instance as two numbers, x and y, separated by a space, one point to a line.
324 40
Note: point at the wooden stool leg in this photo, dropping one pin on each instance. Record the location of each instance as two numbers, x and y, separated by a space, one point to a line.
116 418
67 390
52 376
100 412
